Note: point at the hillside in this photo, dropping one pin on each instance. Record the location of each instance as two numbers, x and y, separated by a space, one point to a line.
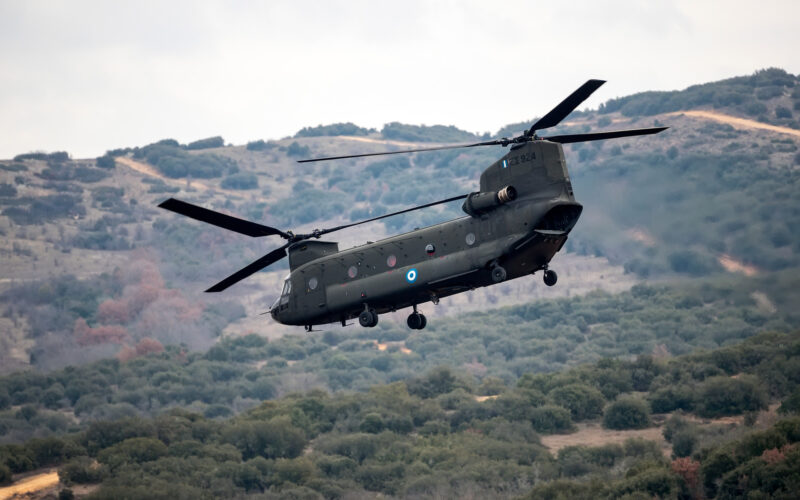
701 199
674 321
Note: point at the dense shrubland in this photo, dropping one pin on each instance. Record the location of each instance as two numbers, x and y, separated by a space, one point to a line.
424 436
744 94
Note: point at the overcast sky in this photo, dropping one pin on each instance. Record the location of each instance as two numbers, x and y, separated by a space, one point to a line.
88 76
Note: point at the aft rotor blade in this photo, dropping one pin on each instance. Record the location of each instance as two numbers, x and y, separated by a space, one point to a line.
599 136
566 106
338 228
436 148
270 258
228 222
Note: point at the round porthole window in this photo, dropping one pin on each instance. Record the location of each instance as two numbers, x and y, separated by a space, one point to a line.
312 283
470 238
352 272
391 260
429 249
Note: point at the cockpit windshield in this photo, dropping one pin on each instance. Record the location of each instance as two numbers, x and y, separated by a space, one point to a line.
287 290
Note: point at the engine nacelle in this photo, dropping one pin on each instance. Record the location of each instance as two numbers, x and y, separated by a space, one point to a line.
480 203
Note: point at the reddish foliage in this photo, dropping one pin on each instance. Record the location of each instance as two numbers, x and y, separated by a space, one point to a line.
126 354
689 470
148 346
775 455
86 335
141 296
143 348
114 311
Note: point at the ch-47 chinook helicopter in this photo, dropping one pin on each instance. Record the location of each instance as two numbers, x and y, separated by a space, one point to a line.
514 225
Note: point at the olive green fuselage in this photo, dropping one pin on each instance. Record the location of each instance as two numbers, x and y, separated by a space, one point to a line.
521 235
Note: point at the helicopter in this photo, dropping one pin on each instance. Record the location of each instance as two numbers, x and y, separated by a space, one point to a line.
513 226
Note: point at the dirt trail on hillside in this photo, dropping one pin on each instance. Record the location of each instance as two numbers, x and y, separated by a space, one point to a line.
30 485
594 435
144 168
734 266
736 122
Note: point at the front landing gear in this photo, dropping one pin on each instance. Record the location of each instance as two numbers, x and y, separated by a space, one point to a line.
368 317
550 277
416 321
498 273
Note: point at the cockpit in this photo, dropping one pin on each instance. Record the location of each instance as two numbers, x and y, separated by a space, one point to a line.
282 302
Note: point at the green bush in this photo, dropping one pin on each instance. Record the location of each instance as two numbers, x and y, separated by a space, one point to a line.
724 396
81 470
422 133
211 142
550 419
789 405
240 180
333 130
7 190
684 442
668 399
133 450
260 145
626 413
582 401
106 161
5 474
295 150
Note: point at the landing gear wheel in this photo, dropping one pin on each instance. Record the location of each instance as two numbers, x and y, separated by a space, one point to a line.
550 277
498 274
368 319
416 321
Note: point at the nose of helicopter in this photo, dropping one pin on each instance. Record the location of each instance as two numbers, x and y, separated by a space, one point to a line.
273 310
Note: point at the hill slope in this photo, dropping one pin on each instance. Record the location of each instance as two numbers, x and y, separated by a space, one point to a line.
697 200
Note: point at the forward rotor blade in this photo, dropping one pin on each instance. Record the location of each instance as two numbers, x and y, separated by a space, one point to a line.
599 136
338 228
270 258
566 106
220 220
436 148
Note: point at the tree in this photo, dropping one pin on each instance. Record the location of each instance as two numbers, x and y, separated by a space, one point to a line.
626 413
133 450
296 149
211 142
5 474
276 438
241 180
551 419
723 396
106 161
582 401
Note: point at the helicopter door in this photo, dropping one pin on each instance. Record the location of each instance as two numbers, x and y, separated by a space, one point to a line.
314 300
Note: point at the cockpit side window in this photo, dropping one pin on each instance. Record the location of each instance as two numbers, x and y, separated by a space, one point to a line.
287 290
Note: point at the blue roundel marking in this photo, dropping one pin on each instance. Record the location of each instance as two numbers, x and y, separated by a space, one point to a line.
411 275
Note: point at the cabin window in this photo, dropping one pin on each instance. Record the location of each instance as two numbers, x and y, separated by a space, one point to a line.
470 238
391 260
312 283
287 288
429 248
352 272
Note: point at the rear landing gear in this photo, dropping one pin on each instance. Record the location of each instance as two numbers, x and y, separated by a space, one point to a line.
416 321
550 277
368 317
